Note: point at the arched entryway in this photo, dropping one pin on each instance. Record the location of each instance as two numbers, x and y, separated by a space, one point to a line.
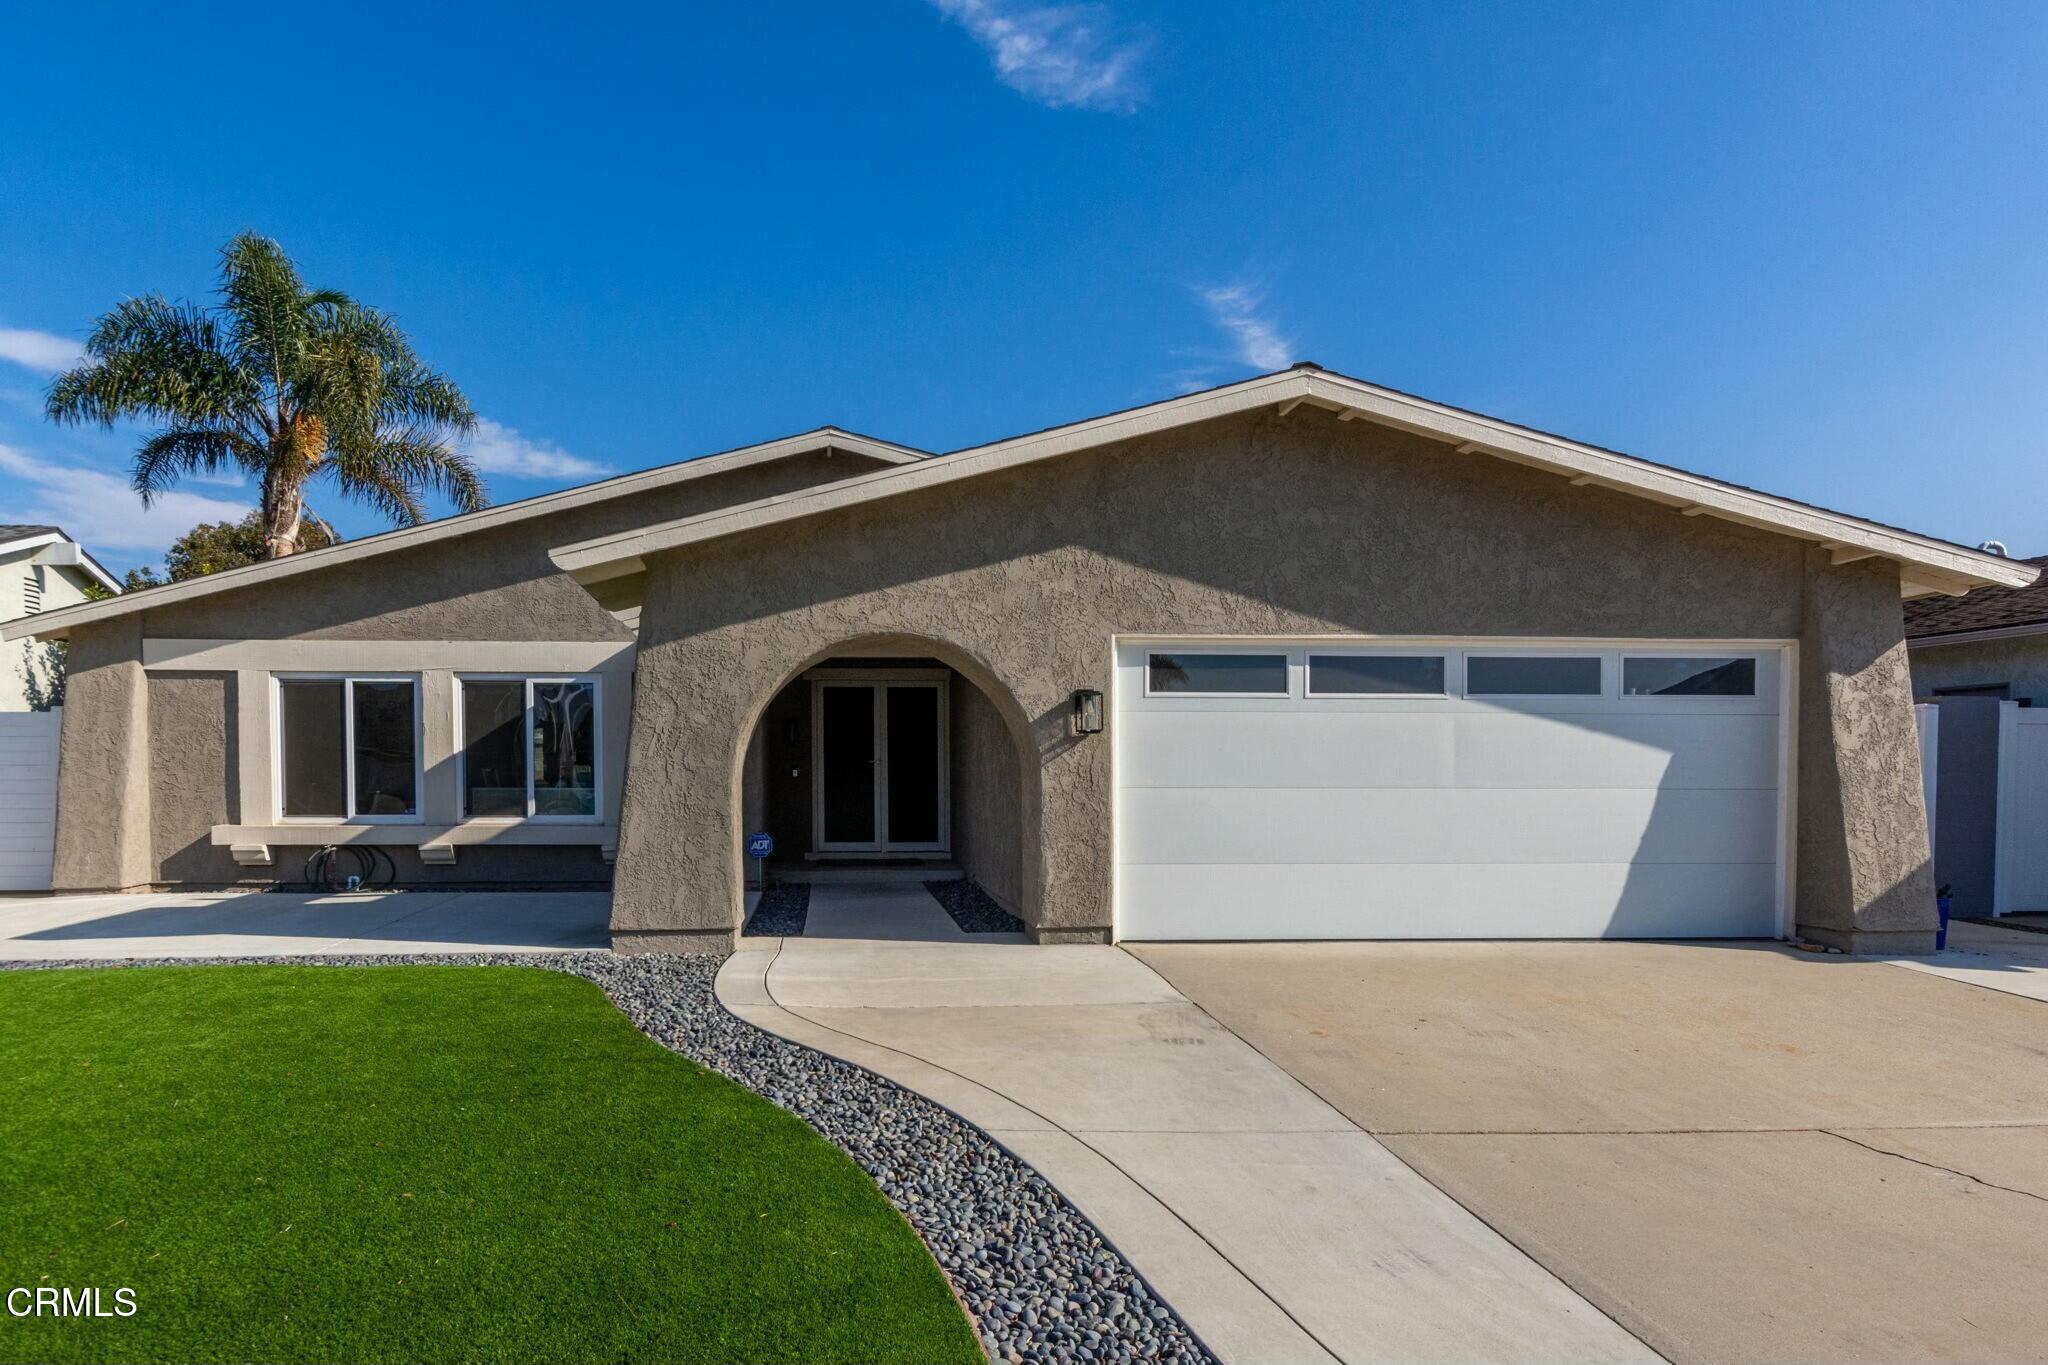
892 756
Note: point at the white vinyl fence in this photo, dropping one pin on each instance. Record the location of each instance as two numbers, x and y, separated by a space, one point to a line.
1927 720
2021 882
28 798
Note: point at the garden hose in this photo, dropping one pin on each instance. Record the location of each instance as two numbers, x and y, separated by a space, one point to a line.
329 868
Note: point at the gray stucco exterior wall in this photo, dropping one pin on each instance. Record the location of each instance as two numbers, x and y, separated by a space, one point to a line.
2020 662
141 766
1866 881
1254 525
104 836
986 788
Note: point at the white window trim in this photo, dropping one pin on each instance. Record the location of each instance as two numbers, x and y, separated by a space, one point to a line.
1310 653
1609 676
1286 657
532 816
1730 656
348 749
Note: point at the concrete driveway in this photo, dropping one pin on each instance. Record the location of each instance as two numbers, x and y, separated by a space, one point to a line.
1277 1229
274 924
1741 1153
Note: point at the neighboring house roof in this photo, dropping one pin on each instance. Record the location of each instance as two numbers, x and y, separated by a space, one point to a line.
1984 614
308 561
16 536
1928 565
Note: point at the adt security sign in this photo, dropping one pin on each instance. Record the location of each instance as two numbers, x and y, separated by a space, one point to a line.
760 845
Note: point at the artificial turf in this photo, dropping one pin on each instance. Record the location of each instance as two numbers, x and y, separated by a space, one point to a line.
423 1164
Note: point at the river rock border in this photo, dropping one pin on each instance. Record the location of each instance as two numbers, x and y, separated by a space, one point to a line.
1038 1279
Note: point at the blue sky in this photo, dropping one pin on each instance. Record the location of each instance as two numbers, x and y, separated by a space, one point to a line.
1796 246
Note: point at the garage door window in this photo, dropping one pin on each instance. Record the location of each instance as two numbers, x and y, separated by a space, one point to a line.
1375 675
1531 675
1217 675
1665 676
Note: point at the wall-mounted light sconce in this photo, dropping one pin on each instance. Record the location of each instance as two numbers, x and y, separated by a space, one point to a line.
1087 712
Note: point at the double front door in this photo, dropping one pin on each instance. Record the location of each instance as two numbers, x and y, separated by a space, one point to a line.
880 764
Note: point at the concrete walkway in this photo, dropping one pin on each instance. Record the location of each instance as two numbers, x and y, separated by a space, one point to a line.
278 924
1277 1227
2010 960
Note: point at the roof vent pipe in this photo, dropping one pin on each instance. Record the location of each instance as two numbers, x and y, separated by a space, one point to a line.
1993 547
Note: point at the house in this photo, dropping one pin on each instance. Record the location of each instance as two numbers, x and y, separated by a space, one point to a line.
41 569
1992 643
1298 657
1968 656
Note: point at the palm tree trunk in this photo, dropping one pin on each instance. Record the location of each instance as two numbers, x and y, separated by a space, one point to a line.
283 504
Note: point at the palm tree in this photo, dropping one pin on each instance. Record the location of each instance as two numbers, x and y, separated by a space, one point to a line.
283 383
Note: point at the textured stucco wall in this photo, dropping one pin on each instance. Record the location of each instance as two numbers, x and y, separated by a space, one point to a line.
2021 663
1865 878
104 840
1253 525
192 764
985 788
494 585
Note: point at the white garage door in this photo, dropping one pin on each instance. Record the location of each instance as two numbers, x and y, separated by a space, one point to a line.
1291 789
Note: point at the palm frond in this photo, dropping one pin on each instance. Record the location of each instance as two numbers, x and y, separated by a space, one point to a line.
412 460
170 455
263 300
150 357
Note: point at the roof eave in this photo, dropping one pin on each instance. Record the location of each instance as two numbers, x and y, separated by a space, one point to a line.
1929 566
55 624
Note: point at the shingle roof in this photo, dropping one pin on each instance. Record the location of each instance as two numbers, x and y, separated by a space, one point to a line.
1989 608
14 532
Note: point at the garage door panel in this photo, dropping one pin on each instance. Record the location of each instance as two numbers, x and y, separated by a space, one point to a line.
1447 825
1327 748
1616 750
1288 749
1448 900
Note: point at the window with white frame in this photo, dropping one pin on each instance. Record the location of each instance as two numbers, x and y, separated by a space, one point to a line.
1668 675
529 748
1217 673
348 748
1375 675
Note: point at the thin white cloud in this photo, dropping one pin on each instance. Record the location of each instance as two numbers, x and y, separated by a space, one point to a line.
101 510
1063 56
39 351
499 449
1257 341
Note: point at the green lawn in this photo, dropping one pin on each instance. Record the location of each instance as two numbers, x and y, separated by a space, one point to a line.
423 1164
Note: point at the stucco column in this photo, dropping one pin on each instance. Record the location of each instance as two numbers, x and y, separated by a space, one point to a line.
103 812
1866 880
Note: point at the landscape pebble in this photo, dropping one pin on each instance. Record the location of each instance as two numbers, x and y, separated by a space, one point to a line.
782 911
1037 1278
973 909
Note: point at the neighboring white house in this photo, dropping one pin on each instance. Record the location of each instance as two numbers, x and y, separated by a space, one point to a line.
41 569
